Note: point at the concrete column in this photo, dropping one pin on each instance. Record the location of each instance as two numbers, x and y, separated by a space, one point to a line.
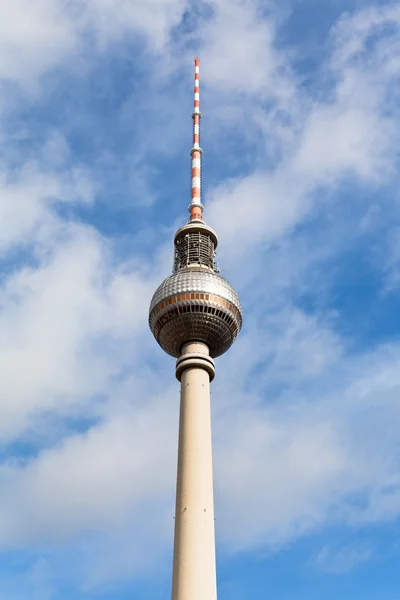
194 572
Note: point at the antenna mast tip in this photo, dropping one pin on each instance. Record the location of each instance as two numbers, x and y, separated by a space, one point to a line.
196 207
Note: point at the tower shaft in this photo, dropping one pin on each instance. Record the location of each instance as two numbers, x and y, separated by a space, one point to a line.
194 571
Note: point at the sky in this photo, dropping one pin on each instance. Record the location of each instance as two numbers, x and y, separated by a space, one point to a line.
300 132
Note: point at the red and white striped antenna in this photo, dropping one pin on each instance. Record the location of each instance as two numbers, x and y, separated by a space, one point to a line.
196 207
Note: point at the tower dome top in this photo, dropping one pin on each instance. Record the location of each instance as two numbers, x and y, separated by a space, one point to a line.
197 227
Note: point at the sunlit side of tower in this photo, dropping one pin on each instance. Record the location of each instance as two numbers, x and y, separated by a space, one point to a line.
195 316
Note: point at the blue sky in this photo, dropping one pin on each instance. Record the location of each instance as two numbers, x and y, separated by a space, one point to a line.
300 135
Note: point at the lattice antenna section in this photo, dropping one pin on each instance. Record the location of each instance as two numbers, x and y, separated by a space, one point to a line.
194 249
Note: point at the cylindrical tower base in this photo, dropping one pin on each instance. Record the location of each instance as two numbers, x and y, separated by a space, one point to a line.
194 572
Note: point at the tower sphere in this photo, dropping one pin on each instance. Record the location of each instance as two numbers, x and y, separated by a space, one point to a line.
195 303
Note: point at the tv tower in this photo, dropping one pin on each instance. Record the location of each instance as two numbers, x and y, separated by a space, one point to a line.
195 316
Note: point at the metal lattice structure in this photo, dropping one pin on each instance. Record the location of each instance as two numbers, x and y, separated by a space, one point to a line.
195 245
194 248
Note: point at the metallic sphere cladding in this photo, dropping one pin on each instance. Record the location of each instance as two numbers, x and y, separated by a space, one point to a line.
195 304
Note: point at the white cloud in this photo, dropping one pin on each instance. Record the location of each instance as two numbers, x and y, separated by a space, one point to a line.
343 558
353 31
33 37
344 140
238 50
349 131
37 37
257 207
322 449
56 321
29 195
391 261
98 481
153 20
288 473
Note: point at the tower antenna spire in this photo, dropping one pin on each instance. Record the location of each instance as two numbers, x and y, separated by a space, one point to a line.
196 207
